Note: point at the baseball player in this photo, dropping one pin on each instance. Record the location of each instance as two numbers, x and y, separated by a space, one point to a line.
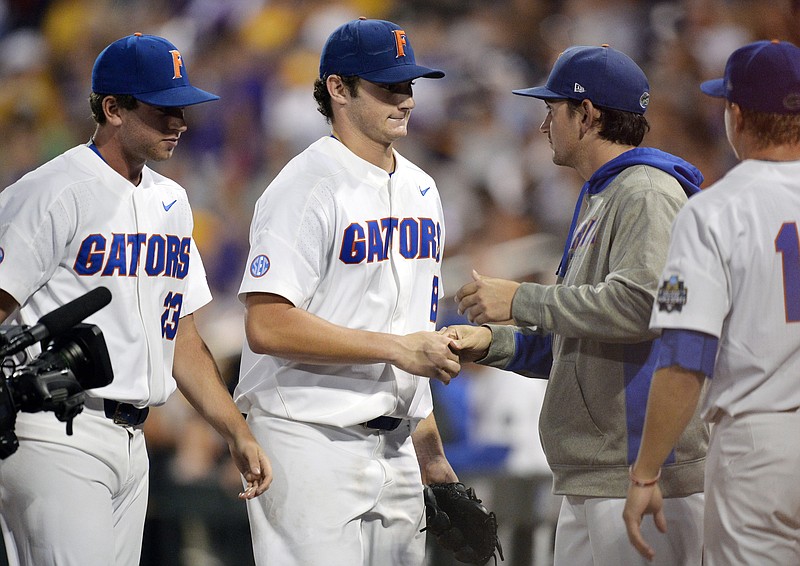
729 307
588 333
341 291
97 215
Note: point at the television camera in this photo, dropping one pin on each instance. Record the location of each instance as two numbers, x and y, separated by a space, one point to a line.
73 358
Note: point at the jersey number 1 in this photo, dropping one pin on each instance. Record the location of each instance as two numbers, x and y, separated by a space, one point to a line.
788 244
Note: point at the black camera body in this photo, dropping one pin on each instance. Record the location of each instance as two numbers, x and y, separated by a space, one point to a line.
74 361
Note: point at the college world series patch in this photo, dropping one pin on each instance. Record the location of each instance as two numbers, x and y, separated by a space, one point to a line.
672 295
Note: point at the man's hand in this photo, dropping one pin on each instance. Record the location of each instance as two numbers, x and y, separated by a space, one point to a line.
486 299
471 343
640 502
433 464
428 354
254 466
437 470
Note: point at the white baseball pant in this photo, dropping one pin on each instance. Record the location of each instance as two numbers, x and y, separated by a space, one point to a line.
340 496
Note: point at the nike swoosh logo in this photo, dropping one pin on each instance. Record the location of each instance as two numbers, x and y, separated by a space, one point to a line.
423 191
168 206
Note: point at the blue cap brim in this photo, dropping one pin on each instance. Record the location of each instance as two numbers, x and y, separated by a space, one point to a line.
176 97
541 92
715 87
401 74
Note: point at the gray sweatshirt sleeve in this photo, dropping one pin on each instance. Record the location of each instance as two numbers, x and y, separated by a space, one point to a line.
615 303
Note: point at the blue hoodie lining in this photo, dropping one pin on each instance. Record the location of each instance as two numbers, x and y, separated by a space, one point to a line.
684 172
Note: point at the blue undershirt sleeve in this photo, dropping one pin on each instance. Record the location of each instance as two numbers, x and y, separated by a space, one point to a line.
689 349
533 354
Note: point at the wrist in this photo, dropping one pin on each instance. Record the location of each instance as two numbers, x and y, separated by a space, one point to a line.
389 348
639 482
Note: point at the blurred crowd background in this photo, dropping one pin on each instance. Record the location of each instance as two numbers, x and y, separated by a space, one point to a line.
507 206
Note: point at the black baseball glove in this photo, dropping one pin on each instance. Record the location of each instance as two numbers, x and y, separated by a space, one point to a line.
461 523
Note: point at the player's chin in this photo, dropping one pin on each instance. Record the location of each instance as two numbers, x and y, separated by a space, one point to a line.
398 132
398 124
162 153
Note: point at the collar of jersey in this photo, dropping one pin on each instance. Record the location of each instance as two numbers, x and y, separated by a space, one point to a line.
91 145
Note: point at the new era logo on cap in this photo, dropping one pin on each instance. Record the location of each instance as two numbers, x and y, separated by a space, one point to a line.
578 88
149 68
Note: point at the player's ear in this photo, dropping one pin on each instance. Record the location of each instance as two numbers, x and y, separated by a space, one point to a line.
589 115
336 88
111 109
737 120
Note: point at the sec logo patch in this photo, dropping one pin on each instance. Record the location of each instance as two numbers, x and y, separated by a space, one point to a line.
259 266
2 255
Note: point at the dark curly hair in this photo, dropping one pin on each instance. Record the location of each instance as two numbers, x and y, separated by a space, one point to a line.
323 97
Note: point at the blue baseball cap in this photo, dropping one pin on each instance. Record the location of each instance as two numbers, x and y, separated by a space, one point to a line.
149 68
763 76
607 77
375 50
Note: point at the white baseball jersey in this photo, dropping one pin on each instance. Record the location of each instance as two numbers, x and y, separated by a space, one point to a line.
346 241
75 224
733 271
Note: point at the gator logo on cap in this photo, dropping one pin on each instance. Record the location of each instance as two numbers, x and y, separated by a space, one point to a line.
792 102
